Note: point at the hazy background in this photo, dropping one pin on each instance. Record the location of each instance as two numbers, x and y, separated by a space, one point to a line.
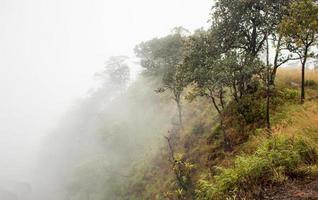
50 50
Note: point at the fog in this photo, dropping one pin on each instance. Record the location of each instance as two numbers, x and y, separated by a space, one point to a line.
54 112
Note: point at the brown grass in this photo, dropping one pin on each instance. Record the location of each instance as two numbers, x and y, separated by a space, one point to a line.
286 76
291 78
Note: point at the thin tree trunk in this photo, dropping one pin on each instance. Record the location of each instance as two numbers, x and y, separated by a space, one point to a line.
302 98
235 91
303 68
273 76
222 98
226 140
268 123
177 98
277 51
180 112
215 105
268 126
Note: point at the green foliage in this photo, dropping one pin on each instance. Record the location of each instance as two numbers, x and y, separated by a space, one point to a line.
300 27
183 170
243 25
272 162
224 65
284 96
160 57
205 68
288 94
252 108
300 30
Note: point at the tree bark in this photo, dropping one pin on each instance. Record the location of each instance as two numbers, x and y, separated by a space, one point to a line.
222 98
275 67
180 113
269 82
227 147
303 68
226 141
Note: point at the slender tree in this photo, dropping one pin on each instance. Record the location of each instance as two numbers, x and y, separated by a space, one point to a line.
300 31
160 57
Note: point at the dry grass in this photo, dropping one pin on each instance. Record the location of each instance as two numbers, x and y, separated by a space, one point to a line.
286 76
291 78
299 120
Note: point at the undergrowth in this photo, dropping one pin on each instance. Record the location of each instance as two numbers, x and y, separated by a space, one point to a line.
274 161
258 160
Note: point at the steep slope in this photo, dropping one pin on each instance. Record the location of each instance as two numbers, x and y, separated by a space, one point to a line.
281 164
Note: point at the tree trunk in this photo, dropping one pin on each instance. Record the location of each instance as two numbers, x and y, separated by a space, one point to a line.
275 67
226 141
303 68
269 82
227 147
234 91
302 98
222 98
273 76
180 113
268 123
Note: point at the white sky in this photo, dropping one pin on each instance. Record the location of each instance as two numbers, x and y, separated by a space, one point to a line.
50 49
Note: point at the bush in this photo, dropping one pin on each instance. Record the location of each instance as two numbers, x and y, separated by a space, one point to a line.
252 108
289 94
283 96
310 83
272 162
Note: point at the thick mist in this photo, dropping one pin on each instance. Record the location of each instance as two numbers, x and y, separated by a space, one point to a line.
49 53
99 140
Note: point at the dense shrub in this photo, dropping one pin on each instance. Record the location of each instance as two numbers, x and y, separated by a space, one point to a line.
272 162
252 108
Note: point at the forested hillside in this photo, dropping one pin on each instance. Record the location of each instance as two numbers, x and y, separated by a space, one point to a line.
247 124
217 113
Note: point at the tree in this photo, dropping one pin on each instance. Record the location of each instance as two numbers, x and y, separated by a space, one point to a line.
242 27
277 11
205 68
228 55
114 79
116 71
300 31
161 57
199 67
175 83
246 25
246 28
160 54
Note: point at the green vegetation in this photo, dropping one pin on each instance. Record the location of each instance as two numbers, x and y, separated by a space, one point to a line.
240 129
235 135
300 28
194 164
273 161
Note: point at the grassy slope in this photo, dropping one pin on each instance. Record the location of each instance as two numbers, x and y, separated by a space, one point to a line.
199 144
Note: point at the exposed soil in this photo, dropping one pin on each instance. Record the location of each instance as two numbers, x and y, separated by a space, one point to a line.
297 190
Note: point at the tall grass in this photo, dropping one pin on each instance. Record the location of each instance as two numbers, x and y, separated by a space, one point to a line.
291 77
